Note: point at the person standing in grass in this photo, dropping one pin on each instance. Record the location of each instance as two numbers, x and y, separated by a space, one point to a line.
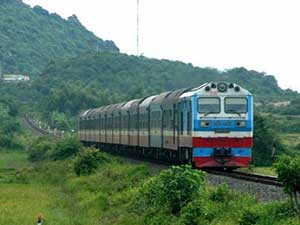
40 219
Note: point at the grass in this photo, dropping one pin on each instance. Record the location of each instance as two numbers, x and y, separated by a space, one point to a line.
291 140
260 170
265 170
13 160
109 196
21 203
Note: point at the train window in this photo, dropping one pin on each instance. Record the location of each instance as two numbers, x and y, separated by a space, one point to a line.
181 123
236 105
189 124
208 105
146 121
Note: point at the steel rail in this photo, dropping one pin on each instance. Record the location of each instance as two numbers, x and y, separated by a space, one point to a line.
257 178
39 131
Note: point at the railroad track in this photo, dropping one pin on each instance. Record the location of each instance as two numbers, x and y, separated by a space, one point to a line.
36 130
257 178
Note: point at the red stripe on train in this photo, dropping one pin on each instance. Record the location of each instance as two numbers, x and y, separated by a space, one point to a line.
218 142
200 162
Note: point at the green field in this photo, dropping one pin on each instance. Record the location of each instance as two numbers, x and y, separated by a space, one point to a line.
12 160
21 201
115 194
291 140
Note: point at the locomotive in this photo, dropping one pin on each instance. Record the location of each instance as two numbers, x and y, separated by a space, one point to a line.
207 126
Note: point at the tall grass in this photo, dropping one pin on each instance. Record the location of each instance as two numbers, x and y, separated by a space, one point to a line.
114 194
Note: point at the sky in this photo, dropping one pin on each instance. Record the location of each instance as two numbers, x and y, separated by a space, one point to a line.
261 35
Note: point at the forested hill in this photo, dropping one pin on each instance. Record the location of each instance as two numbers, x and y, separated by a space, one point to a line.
128 77
31 37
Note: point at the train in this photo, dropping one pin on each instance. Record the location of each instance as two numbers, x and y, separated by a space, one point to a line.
209 126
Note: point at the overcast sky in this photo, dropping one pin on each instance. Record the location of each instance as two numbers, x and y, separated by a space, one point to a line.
262 35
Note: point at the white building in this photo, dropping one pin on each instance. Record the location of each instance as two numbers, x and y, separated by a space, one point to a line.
14 78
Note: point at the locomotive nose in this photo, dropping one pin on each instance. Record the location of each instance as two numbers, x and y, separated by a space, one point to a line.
222 152
222 155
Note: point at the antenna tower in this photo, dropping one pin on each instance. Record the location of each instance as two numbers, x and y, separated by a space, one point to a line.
137 27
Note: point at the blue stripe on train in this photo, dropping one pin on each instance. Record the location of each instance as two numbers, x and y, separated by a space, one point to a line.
207 152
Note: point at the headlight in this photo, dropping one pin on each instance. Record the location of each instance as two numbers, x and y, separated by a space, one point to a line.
240 123
237 88
204 123
222 87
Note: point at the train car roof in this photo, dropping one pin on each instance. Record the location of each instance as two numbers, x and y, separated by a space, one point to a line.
159 99
135 105
95 112
127 105
172 97
83 113
146 102
106 109
119 106
115 108
214 91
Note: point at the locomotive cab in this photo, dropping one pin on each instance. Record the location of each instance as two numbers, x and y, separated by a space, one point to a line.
222 131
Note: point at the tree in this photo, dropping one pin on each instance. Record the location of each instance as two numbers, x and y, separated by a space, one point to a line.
288 169
266 141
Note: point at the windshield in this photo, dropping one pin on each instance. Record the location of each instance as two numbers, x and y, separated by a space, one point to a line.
209 105
236 105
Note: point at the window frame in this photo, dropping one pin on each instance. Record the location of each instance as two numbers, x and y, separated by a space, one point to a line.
247 107
209 98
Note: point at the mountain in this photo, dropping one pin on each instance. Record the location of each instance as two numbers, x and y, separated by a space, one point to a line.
31 37
92 80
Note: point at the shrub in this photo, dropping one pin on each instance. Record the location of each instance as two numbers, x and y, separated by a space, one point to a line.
249 216
173 188
196 212
288 170
221 194
65 148
39 148
297 147
88 160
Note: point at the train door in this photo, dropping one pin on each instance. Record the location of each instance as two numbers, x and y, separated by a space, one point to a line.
147 119
164 128
105 128
99 128
120 128
156 128
185 122
174 126
129 136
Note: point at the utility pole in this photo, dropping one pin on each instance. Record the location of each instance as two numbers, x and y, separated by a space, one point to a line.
1 59
137 27
0 69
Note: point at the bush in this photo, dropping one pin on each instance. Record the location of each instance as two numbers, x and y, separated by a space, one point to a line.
249 216
196 212
88 160
288 170
221 194
173 188
65 148
39 148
